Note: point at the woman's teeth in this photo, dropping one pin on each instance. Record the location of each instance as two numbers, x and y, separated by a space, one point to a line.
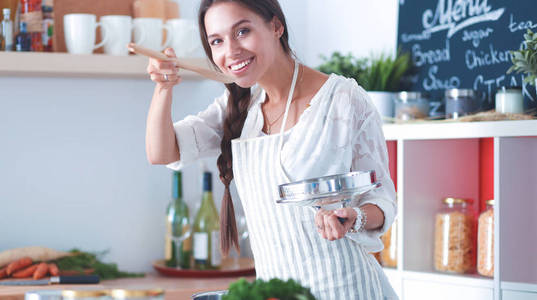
241 65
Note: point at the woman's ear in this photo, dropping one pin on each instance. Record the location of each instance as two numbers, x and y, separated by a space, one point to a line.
278 27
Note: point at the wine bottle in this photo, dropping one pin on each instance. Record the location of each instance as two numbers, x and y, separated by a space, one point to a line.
206 230
178 247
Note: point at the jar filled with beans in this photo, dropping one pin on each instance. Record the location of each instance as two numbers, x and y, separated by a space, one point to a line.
485 241
455 242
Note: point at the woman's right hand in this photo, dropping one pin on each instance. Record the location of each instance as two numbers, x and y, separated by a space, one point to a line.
164 73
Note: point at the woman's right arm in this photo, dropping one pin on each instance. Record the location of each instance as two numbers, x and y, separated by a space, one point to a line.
160 140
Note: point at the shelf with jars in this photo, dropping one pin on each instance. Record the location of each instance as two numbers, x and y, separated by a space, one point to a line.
452 242
56 64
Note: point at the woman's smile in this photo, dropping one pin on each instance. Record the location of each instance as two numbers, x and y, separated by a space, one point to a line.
241 66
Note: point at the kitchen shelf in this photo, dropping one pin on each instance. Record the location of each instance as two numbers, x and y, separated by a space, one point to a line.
40 64
480 161
453 130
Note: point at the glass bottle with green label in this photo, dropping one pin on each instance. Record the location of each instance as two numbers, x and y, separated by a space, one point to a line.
206 230
178 248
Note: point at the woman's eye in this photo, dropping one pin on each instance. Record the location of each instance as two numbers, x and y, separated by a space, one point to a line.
243 31
215 42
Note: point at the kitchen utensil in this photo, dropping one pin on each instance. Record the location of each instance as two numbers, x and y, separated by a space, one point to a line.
327 190
199 68
215 295
78 279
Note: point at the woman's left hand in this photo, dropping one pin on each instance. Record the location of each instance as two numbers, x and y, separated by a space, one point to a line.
329 226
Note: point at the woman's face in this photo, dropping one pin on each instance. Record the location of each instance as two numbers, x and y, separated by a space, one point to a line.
242 43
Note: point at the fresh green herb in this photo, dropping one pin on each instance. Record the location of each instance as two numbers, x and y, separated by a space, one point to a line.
376 73
262 290
81 261
525 60
348 65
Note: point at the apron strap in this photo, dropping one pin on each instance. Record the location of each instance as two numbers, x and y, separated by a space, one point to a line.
282 129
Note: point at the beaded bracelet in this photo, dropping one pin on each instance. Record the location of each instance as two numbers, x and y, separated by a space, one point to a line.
359 223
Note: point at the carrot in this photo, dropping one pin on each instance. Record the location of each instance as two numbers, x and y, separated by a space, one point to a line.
28 272
36 253
3 272
41 271
53 269
18 264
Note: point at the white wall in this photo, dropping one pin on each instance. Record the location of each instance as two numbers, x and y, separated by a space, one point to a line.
73 171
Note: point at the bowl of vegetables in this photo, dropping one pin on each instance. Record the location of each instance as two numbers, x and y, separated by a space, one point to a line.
274 289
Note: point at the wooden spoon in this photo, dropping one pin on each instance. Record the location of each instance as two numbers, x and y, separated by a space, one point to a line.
199 68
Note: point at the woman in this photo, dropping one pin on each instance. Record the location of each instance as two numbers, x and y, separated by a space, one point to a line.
279 122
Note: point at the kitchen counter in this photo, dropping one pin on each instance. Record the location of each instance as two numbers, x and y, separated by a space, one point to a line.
176 288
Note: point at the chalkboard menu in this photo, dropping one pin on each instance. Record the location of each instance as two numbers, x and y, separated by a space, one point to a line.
465 44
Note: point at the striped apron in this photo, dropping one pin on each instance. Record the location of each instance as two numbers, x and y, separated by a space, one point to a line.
284 239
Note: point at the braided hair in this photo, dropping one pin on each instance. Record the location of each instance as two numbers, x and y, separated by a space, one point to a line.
236 112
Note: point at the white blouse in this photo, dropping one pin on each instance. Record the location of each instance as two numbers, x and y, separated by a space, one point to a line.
340 131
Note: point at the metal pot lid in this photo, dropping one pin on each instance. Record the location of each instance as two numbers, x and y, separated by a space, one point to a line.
328 189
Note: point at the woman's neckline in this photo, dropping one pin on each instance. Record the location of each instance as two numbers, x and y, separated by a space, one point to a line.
312 102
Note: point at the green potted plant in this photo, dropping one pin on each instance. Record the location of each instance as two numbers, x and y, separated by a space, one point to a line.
525 60
380 75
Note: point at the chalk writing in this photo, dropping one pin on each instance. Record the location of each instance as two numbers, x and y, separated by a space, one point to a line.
516 26
482 59
476 35
433 83
459 15
430 56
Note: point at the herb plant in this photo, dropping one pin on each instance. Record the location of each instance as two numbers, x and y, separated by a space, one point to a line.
81 261
376 73
525 60
262 290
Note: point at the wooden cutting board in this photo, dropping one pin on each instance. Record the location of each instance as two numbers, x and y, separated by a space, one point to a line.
96 7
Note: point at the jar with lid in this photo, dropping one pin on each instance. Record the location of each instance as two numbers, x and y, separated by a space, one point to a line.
85 295
461 102
454 239
485 241
388 255
128 294
411 106
509 100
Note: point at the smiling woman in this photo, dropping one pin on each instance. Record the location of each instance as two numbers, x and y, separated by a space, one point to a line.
325 125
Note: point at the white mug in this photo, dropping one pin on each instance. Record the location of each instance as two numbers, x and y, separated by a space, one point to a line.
148 33
185 38
119 31
80 31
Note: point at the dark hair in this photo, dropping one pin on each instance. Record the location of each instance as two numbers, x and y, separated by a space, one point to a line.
237 109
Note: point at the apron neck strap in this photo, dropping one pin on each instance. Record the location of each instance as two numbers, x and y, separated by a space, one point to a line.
282 129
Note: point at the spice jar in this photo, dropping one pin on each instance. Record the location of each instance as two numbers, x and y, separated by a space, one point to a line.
150 294
388 255
411 106
454 242
460 102
485 241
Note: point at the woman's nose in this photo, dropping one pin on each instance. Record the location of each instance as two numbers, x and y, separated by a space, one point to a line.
233 48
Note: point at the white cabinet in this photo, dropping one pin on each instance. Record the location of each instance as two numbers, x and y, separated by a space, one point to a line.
477 160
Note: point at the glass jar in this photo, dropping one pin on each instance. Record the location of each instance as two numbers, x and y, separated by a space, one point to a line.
485 241
85 295
454 242
125 294
411 106
388 255
461 102
509 100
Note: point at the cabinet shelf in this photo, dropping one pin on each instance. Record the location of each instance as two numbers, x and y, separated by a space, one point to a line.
454 130
40 64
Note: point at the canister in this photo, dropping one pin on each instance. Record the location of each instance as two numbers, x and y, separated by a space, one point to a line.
411 106
485 241
461 102
454 242
510 100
